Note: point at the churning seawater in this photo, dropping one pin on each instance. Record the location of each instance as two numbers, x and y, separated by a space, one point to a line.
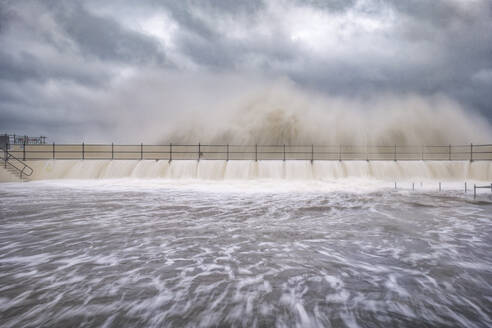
128 253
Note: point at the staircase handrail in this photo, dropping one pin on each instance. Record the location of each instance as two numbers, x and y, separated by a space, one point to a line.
23 170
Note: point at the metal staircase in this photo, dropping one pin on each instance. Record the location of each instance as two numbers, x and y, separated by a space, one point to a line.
15 166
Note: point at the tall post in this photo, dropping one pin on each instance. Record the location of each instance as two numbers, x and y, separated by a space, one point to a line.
24 151
112 151
471 152
83 151
465 187
395 153
141 150
170 152
199 153
227 153
449 151
422 153
367 153
53 150
284 152
256 152
474 191
339 153
6 156
439 187
312 154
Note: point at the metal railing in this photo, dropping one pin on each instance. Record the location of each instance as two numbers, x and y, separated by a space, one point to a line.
170 152
475 187
11 161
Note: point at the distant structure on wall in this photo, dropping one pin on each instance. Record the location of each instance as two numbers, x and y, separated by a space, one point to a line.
14 139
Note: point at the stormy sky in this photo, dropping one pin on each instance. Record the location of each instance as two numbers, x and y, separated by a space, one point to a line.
71 70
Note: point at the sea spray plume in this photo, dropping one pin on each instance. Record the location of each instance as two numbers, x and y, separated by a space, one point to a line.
162 107
283 114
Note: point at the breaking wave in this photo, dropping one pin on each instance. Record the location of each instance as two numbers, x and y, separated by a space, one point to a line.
281 113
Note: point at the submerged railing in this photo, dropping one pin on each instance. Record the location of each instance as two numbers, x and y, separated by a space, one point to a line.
252 152
475 187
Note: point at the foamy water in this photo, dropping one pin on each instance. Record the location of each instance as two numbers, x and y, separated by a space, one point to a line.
458 171
155 253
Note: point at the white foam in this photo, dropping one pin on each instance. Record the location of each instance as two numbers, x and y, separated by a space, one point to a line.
263 170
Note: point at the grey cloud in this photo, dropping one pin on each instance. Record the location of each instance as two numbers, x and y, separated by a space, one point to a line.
77 44
26 66
105 38
443 13
17 69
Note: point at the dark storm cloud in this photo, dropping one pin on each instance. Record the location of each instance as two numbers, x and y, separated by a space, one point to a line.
65 50
106 39
69 32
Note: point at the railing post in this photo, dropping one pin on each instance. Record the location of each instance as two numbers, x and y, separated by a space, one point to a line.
256 152
465 187
53 150
312 154
199 153
439 187
395 153
422 152
471 152
83 151
284 152
141 150
24 151
474 191
170 152
449 152
112 151
227 158
339 153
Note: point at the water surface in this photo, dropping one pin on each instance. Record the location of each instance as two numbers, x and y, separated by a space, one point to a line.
126 253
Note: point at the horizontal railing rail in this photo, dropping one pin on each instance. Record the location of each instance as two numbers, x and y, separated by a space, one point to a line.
226 152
